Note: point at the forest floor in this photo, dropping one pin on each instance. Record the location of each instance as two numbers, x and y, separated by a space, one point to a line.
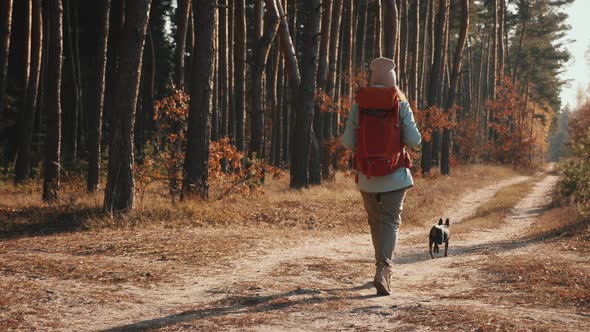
299 260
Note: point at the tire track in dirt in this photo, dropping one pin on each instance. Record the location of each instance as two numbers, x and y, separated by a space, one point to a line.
162 304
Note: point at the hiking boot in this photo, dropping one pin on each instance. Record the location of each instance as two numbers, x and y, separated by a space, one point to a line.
382 280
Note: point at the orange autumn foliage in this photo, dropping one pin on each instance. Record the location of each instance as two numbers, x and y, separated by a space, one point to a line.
229 170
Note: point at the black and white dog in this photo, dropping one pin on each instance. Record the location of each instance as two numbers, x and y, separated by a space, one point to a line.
439 234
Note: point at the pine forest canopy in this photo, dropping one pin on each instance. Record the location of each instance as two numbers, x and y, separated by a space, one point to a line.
219 94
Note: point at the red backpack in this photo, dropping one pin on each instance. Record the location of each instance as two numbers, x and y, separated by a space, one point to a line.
379 144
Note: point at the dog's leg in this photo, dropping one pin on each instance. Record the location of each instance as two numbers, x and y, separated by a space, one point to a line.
436 248
446 247
430 249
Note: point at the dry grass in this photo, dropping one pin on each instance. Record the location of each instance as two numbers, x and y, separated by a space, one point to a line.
492 214
565 228
547 281
279 206
553 271
467 318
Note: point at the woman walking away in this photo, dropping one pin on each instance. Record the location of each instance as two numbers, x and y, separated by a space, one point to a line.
380 126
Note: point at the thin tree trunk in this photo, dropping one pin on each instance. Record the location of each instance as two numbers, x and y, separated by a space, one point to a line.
351 49
215 111
404 41
181 33
363 42
315 162
523 30
272 100
436 79
196 163
72 150
96 108
260 57
305 102
240 72
223 69
277 124
445 166
416 54
425 56
501 47
120 187
5 30
55 51
378 36
27 115
231 125
26 72
146 105
494 62
331 88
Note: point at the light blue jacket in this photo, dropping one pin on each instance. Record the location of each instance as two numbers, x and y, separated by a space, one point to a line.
401 178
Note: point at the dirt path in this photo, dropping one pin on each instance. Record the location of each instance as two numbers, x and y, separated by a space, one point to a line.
284 287
323 284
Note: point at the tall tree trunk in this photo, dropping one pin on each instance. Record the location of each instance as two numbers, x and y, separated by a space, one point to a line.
292 87
501 47
523 31
305 101
190 45
287 46
272 98
413 87
183 16
240 73
260 57
117 22
223 69
25 72
390 28
331 88
120 187
436 78
315 162
445 166
71 129
231 117
145 106
27 114
404 42
494 60
53 91
277 123
196 163
363 42
351 49
97 97
5 29
215 111
378 39
425 55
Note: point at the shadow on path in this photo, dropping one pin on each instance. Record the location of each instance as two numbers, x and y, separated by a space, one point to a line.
44 221
234 305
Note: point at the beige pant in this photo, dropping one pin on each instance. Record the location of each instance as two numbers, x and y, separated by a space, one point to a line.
384 211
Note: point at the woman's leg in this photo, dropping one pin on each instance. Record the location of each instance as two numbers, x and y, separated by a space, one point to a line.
384 210
391 206
372 207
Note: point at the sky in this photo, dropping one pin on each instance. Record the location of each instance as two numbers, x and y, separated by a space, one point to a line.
578 37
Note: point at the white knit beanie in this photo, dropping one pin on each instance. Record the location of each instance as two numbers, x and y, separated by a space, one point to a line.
383 72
